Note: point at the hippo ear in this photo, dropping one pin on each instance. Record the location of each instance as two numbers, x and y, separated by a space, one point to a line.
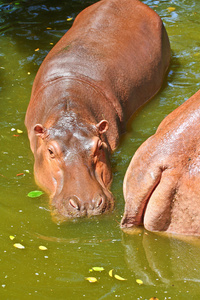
102 126
39 130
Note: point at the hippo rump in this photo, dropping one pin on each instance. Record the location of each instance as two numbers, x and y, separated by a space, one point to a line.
161 185
112 61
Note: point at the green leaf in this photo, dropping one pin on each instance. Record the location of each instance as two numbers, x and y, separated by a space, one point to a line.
98 269
35 194
91 279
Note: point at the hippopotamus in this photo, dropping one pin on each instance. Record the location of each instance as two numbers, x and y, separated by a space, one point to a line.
161 184
109 63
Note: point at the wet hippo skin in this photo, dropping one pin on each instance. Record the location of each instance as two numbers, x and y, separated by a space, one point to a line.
161 185
112 60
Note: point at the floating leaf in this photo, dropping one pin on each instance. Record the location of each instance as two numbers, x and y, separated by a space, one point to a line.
171 9
119 277
69 19
19 131
11 237
90 270
139 281
153 298
43 248
20 174
110 273
91 279
98 269
37 49
19 246
35 194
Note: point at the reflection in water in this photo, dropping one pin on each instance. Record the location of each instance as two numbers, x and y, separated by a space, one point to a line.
164 260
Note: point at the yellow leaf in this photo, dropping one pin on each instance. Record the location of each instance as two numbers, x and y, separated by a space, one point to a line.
37 49
43 248
139 281
171 9
119 277
11 237
19 131
98 269
153 298
19 246
69 19
110 273
48 28
91 279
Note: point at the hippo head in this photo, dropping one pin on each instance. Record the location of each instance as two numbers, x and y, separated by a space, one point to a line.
72 165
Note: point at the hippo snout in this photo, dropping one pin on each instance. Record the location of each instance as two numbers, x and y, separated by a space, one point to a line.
93 207
73 207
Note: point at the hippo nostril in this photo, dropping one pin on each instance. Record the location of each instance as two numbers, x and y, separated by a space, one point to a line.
99 202
74 204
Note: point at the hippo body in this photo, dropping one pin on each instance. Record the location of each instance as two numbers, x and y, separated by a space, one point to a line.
112 60
161 185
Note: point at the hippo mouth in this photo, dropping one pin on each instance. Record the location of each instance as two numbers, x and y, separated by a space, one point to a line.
72 208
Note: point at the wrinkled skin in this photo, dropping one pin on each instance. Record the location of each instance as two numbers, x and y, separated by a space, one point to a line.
112 61
161 185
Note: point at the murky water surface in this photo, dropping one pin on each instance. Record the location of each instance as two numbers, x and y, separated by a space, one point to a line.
168 267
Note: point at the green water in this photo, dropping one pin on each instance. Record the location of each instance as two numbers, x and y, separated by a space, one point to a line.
168 267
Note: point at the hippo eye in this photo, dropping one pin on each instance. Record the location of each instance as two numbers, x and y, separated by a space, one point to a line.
51 153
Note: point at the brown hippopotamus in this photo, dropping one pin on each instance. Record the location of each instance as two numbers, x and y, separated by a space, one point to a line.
161 185
112 61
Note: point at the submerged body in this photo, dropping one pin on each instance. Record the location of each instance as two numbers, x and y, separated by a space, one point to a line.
112 61
161 185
